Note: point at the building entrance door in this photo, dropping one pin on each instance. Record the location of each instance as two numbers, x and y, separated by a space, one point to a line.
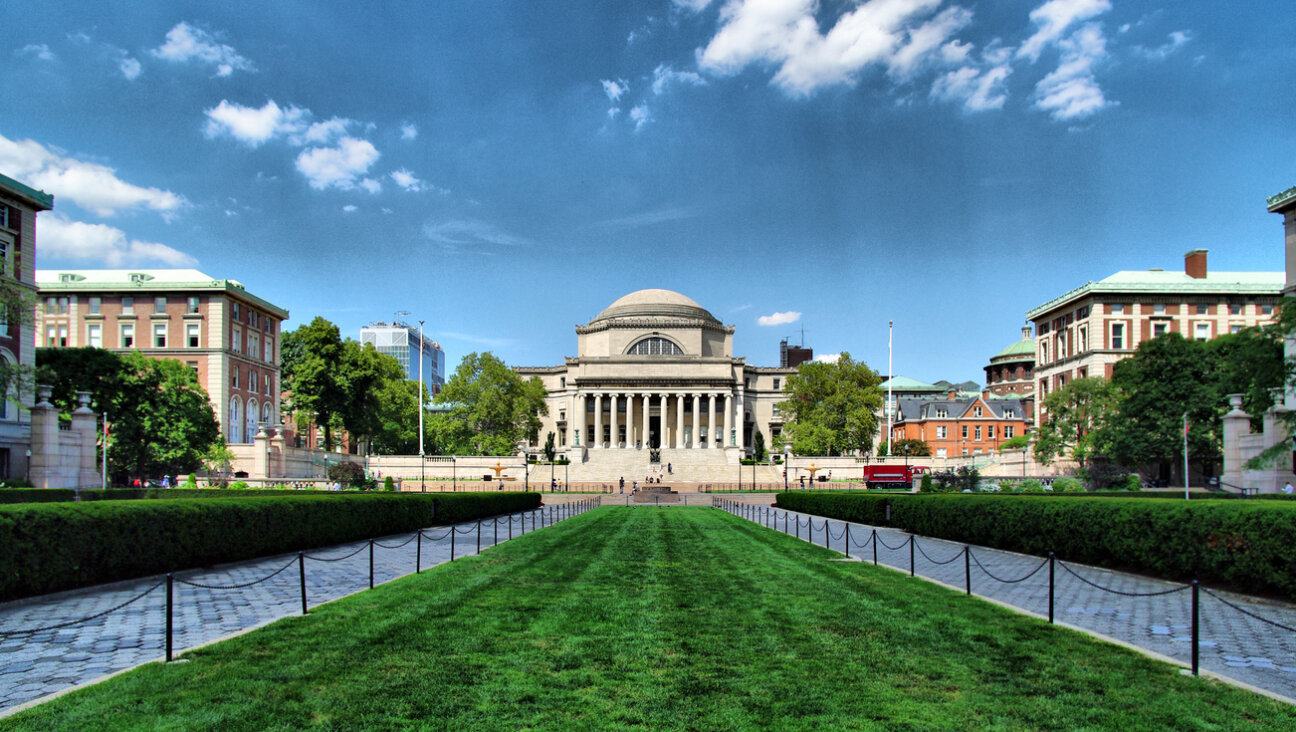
654 432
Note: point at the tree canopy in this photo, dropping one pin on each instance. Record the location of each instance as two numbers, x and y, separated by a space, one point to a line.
491 408
161 420
831 407
1073 416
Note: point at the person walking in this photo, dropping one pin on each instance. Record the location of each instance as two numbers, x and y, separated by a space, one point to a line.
622 483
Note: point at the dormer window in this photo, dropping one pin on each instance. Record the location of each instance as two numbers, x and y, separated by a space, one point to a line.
69 277
942 413
140 277
976 411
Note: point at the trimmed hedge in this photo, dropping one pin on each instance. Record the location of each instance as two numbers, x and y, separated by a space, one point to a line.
56 495
1242 544
50 547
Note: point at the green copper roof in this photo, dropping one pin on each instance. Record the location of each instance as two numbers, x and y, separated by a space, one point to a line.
159 280
1024 347
40 199
1157 281
1286 196
904 383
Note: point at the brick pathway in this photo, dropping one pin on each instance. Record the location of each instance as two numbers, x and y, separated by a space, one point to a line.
1231 643
37 664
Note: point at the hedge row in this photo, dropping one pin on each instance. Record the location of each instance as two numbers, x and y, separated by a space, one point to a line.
56 495
50 547
1241 544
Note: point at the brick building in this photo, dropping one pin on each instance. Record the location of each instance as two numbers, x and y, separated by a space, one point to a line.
959 425
1011 373
1087 330
227 335
19 205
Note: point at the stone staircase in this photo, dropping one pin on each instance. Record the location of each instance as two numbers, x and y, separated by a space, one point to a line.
688 466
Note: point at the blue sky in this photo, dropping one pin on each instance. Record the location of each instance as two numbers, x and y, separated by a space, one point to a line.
504 170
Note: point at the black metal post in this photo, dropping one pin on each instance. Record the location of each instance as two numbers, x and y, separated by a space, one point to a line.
170 613
452 541
827 533
479 536
418 552
911 554
874 540
846 540
371 564
1196 625
511 525
1052 559
798 527
967 568
301 573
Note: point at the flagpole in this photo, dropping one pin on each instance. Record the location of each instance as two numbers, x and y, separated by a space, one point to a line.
1185 451
890 378
104 478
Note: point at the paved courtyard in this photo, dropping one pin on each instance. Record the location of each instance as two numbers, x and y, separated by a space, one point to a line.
1232 644
33 665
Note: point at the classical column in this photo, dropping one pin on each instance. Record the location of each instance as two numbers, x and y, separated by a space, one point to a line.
679 421
616 402
711 415
662 422
578 419
598 420
728 419
697 420
643 418
742 411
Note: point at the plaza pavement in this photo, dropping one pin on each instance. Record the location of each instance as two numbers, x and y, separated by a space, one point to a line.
35 665
1232 644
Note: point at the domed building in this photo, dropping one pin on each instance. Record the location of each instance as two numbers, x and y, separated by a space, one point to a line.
1010 373
656 370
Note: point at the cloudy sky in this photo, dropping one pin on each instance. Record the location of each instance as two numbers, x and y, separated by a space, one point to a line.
504 170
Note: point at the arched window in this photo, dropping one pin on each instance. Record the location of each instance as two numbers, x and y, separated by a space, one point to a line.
655 346
8 410
265 413
235 424
252 413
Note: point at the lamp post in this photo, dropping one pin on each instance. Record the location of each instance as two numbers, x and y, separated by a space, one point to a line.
422 455
890 380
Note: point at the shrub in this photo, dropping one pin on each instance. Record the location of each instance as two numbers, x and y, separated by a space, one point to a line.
1030 486
389 484
50 547
1133 482
237 485
925 484
347 473
191 482
1068 485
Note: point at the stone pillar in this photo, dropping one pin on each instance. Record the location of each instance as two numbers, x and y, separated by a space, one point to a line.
598 421
616 403
86 425
679 420
277 455
741 418
261 453
43 466
578 419
697 420
1237 424
643 417
711 415
726 440
662 422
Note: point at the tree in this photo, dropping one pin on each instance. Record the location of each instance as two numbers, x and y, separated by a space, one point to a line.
831 407
1250 363
549 450
396 418
911 447
758 447
381 404
1073 416
311 357
491 408
17 308
161 419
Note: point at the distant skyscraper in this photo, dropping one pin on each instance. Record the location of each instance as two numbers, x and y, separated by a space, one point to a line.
401 341
793 356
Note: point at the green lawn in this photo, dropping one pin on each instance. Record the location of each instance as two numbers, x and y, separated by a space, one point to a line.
679 618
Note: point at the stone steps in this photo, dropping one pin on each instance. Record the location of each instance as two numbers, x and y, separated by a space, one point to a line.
688 466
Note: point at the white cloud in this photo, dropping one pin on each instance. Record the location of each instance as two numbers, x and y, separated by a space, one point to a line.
786 33
1071 91
409 131
325 132
185 42
91 186
130 68
640 115
694 5
1160 53
790 316
39 51
470 234
350 208
371 185
664 75
405 179
978 90
614 89
828 357
386 210
253 126
1053 18
340 166
929 42
74 241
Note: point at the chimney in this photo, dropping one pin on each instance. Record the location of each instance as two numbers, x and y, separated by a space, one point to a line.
1195 264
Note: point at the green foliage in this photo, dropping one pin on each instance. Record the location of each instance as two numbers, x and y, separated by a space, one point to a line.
831 407
347 473
17 308
161 421
758 447
191 483
911 447
925 483
1250 363
549 449
1015 443
237 485
55 546
1074 415
310 360
968 478
491 408
1030 486
1133 482
1234 543
389 484
1068 485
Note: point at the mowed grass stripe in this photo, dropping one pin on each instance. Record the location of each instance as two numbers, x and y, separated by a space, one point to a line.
677 618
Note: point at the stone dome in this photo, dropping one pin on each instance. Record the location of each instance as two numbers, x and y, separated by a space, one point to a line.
654 304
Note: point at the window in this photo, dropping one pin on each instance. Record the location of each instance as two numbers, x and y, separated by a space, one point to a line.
234 377
128 306
1235 328
235 425
977 433
562 380
51 336
776 410
1082 313
940 452
50 305
236 311
1009 413
193 304
1159 329
1266 309
193 365
1117 308
269 350
236 339
62 306
655 347
253 345
942 432
1062 345
191 335
942 413
965 432
1202 331
1008 432
94 304
159 304
976 411
267 384
1044 352
1235 308
1159 308
1118 336
94 335
990 432
1082 341
4 216
159 335
4 252
252 380
128 335
776 383
1203 309
62 336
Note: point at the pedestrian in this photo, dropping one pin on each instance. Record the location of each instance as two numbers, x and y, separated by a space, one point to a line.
1288 489
635 489
669 469
553 486
622 484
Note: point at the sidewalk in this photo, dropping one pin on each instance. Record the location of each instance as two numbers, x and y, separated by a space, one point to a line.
1231 643
35 665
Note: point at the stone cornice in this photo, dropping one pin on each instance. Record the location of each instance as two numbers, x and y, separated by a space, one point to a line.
599 326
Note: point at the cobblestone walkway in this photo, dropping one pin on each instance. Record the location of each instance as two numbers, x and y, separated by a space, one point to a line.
33 665
1231 643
